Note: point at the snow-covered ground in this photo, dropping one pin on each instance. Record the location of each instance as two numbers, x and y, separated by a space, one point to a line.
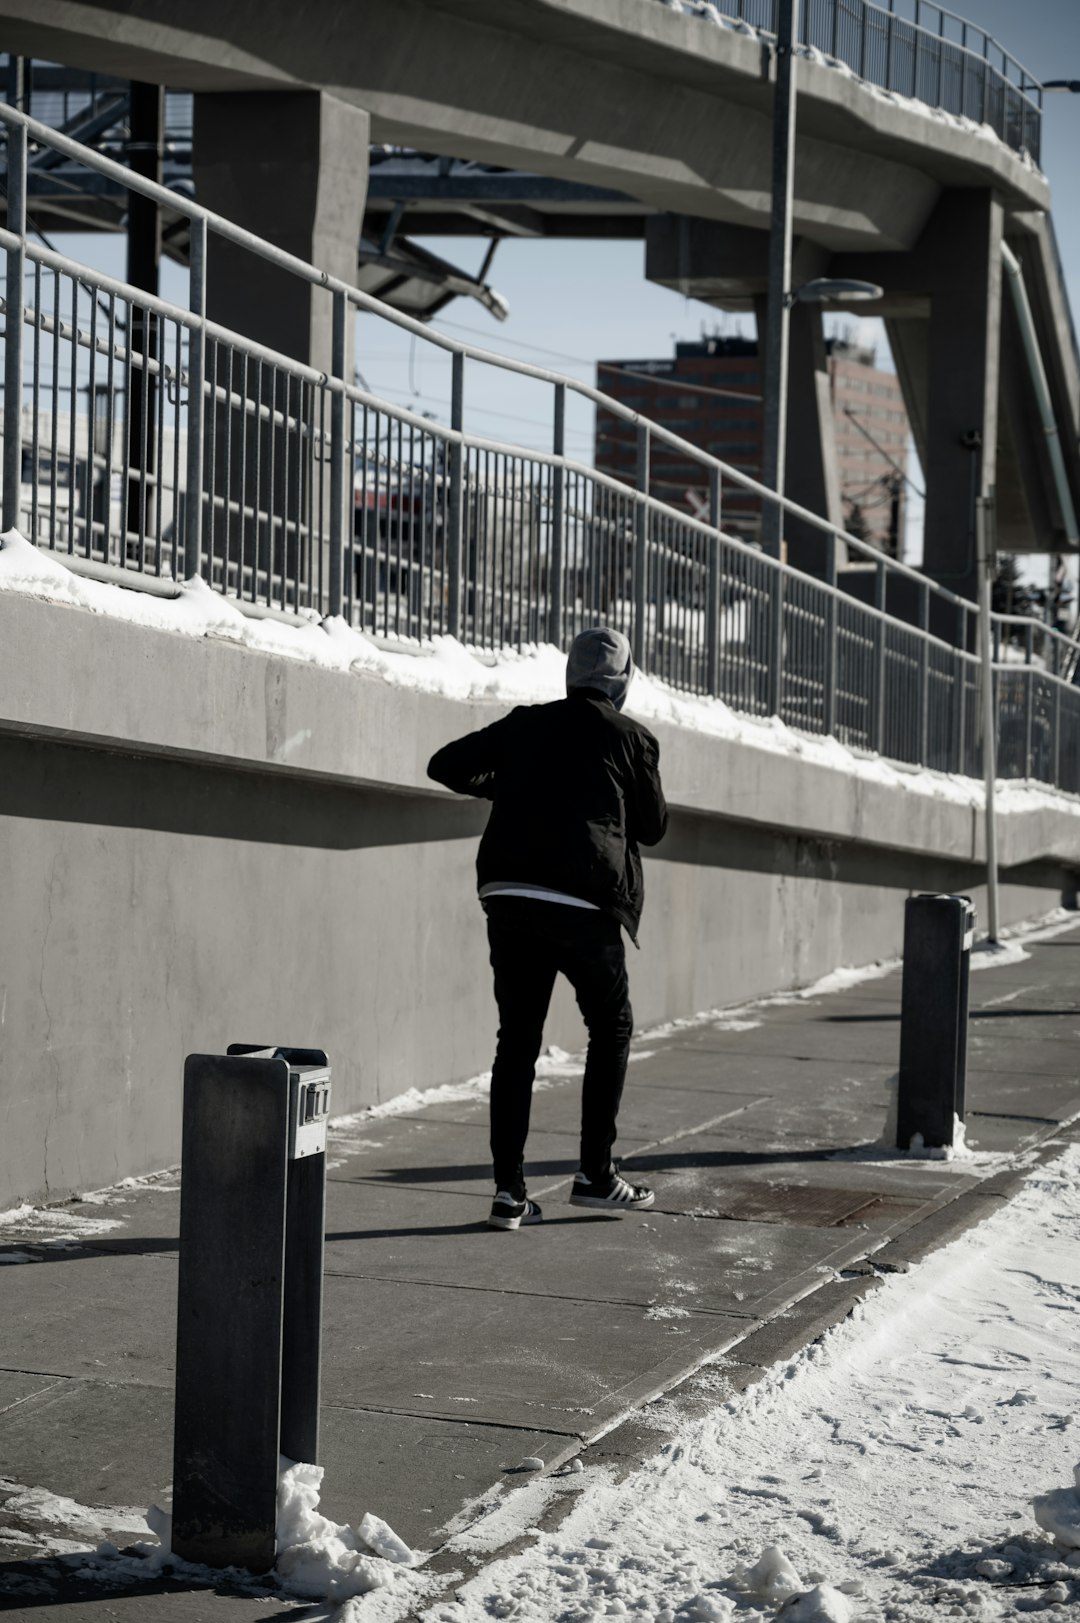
898 1469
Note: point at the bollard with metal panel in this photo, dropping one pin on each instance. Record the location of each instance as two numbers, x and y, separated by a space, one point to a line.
249 1319
938 935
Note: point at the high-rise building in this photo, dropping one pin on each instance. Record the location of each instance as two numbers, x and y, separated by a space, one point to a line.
709 392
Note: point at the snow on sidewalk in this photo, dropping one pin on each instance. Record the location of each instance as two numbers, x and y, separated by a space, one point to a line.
890 1469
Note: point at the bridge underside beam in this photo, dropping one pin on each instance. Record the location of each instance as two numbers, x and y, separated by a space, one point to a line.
633 97
968 393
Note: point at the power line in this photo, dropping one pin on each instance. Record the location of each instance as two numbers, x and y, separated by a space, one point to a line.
604 366
482 411
855 415
517 343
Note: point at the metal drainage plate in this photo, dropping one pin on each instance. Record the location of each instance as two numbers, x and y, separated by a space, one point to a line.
800 1204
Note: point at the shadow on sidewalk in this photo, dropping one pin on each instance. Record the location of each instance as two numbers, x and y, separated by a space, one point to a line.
441 1231
28 1585
975 1014
659 1159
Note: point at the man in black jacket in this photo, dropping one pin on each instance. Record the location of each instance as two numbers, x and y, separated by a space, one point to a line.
575 790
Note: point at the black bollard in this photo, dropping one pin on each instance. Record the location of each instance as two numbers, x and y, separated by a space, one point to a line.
249 1311
938 936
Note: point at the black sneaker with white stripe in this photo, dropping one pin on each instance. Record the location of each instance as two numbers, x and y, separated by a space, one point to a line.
612 1194
508 1212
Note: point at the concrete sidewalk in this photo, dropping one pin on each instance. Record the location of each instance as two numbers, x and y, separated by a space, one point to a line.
452 1351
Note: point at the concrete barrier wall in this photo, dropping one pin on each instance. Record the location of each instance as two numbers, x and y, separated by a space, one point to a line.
201 844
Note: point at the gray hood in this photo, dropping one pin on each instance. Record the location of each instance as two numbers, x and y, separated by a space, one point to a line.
600 659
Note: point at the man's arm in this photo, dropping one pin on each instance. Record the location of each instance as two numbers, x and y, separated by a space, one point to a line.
646 808
469 765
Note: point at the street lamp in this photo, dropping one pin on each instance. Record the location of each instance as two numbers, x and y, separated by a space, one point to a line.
1070 85
833 290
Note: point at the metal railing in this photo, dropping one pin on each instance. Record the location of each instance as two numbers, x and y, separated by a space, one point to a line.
149 444
918 49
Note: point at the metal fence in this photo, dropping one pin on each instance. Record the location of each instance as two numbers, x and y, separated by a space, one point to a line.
147 444
922 50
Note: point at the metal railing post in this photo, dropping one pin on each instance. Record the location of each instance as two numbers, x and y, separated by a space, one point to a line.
862 43
924 673
337 457
1029 695
890 30
712 589
556 561
196 369
641 548
456 506
829 708
877 701
1055 747
960 687
13 339
774 671
988 652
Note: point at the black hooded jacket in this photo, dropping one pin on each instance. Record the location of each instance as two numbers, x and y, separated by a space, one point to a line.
575 790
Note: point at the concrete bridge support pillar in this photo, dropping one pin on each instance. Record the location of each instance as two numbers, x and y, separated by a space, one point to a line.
961 250
291 166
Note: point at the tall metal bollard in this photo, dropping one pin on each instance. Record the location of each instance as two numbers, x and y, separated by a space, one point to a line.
249 1319
938 936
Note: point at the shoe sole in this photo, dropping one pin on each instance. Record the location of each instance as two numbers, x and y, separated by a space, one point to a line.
598 1203
512 1222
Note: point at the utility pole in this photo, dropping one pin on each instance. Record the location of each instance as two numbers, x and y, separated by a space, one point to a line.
776 316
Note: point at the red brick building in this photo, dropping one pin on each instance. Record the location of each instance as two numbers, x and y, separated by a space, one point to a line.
710 393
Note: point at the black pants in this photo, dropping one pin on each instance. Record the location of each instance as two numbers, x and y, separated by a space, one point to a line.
531 942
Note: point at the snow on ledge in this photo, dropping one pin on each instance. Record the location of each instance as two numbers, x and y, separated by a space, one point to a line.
451 670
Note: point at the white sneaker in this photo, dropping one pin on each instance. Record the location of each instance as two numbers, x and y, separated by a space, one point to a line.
612 1193
507 1212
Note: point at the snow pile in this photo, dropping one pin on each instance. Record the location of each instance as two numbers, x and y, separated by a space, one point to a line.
997 954
450 669
772 1576
822 1604
57 1525
1058 1513
316 1557
53 1227
319 1557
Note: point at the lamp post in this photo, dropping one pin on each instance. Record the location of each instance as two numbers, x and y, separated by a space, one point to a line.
781 298
777 307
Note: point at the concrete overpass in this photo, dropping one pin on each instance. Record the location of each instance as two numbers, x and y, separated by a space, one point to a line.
674 112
